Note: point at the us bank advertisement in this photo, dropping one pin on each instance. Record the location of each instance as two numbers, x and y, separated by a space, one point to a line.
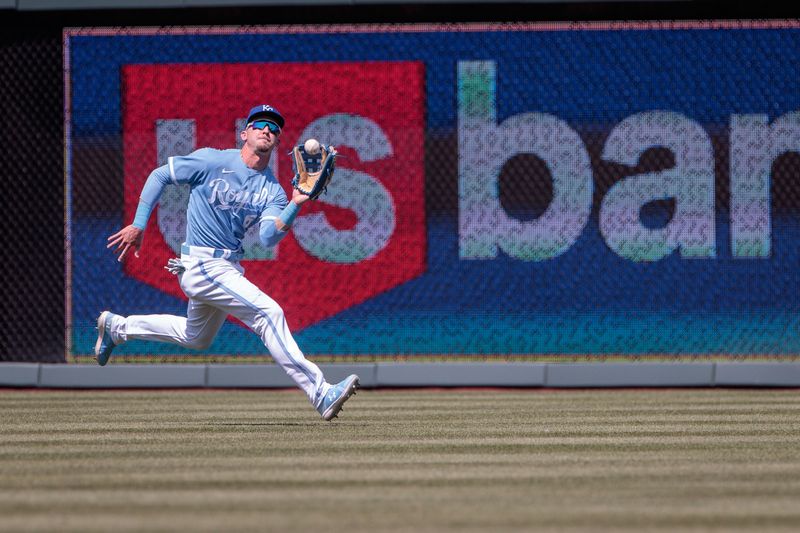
548 190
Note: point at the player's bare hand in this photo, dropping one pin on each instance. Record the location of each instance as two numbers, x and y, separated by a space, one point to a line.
298 197
125 239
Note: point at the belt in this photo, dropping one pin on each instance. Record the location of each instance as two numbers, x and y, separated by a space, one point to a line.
203 252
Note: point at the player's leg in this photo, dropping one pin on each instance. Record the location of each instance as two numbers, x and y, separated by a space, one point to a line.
239 297
196 331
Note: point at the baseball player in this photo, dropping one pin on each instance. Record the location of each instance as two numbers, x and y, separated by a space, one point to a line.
230 191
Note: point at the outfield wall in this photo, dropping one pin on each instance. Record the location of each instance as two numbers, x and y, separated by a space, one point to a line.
533 189
383 375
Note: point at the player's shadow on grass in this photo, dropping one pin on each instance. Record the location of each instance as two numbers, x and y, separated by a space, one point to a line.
305 424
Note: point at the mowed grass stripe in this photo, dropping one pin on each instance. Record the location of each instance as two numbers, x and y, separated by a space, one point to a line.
400 461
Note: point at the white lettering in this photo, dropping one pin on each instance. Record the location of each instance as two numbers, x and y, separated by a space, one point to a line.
218 189
484 147
690 182
754 147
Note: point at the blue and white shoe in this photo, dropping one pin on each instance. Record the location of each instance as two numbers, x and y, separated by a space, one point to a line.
338 394
104 345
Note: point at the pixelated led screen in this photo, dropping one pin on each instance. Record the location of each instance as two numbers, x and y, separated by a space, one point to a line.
546 190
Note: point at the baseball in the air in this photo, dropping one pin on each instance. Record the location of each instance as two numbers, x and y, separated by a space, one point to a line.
311 147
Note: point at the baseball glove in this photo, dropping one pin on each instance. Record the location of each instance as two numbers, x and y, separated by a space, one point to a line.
313 172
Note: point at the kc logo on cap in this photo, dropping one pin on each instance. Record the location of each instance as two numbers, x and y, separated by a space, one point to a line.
267 111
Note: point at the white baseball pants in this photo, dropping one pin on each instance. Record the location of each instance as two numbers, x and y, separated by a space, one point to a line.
217 288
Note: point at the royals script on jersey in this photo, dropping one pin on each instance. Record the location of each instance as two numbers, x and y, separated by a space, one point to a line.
227 197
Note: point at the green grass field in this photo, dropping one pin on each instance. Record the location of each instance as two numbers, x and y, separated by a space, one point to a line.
409 460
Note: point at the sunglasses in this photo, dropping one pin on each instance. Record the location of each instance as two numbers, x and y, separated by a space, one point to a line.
260 124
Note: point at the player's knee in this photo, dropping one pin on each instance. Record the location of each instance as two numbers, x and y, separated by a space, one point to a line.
272 313
198 342
268 319
276 312
276 317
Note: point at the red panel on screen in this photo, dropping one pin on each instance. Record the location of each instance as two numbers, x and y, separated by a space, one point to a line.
389 95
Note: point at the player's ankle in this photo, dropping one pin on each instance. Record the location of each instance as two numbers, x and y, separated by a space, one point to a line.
119 329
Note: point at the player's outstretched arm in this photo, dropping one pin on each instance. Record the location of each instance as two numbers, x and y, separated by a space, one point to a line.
131 236
124 239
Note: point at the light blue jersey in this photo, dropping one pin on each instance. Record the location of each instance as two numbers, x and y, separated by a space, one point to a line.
227 197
